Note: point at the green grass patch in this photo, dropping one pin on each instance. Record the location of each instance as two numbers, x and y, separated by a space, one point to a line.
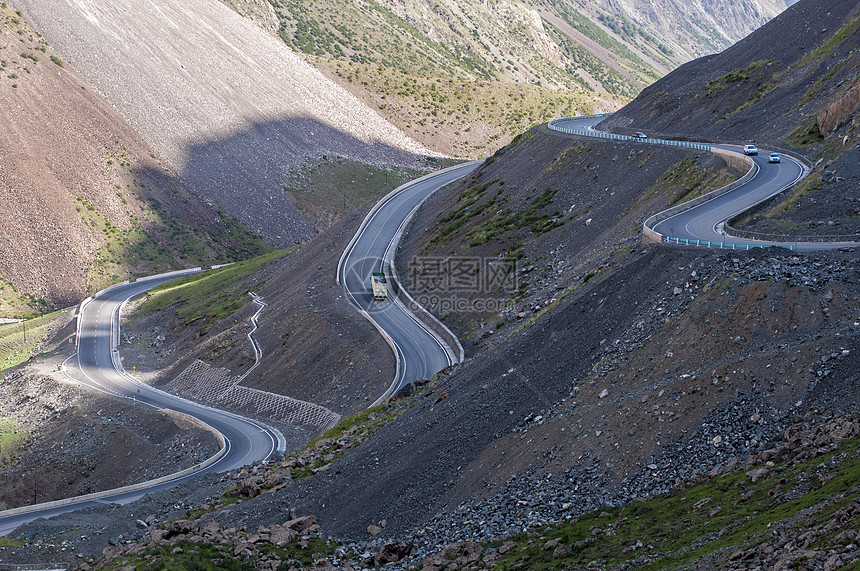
210 296
17 304
754 75
189 556
355 428
464 211
690 524
18 341
687 180
532 217
10 543
477 200
806 135
473 116
732 78
829 45
12 439
184 556
154 240
305 552
327 189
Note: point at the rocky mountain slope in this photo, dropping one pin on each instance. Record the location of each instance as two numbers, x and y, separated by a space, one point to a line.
230 108
197 140
623 372
792 84
647 367
701 27
763 87
84 201
534 60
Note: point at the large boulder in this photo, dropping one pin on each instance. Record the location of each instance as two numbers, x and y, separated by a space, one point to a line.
392 552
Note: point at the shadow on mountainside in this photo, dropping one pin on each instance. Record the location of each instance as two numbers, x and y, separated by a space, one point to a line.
245 172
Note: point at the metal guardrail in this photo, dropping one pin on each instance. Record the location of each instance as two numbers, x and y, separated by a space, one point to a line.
654 219
720 245
552 125
34 566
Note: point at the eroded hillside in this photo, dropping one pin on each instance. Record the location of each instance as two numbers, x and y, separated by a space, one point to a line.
85 201
231 109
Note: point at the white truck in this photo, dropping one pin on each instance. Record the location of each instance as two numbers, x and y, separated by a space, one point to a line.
380 287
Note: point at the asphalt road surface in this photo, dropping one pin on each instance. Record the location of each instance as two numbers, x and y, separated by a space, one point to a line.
702 225
245 441
420 352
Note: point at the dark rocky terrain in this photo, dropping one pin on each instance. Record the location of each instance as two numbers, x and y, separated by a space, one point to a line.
789 85
632 371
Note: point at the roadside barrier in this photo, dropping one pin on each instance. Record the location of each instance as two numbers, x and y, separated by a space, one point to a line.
554 126
720 245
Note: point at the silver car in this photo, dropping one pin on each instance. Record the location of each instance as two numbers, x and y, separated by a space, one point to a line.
773 158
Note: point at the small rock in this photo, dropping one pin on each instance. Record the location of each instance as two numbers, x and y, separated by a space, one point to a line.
373 530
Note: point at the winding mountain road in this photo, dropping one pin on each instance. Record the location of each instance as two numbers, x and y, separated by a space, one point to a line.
702 223
97 364
420 352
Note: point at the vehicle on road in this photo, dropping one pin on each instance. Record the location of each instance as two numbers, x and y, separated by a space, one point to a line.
750 150
640 135
773 158
380 287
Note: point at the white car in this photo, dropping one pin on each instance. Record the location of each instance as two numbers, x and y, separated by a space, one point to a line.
750 150
773 158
